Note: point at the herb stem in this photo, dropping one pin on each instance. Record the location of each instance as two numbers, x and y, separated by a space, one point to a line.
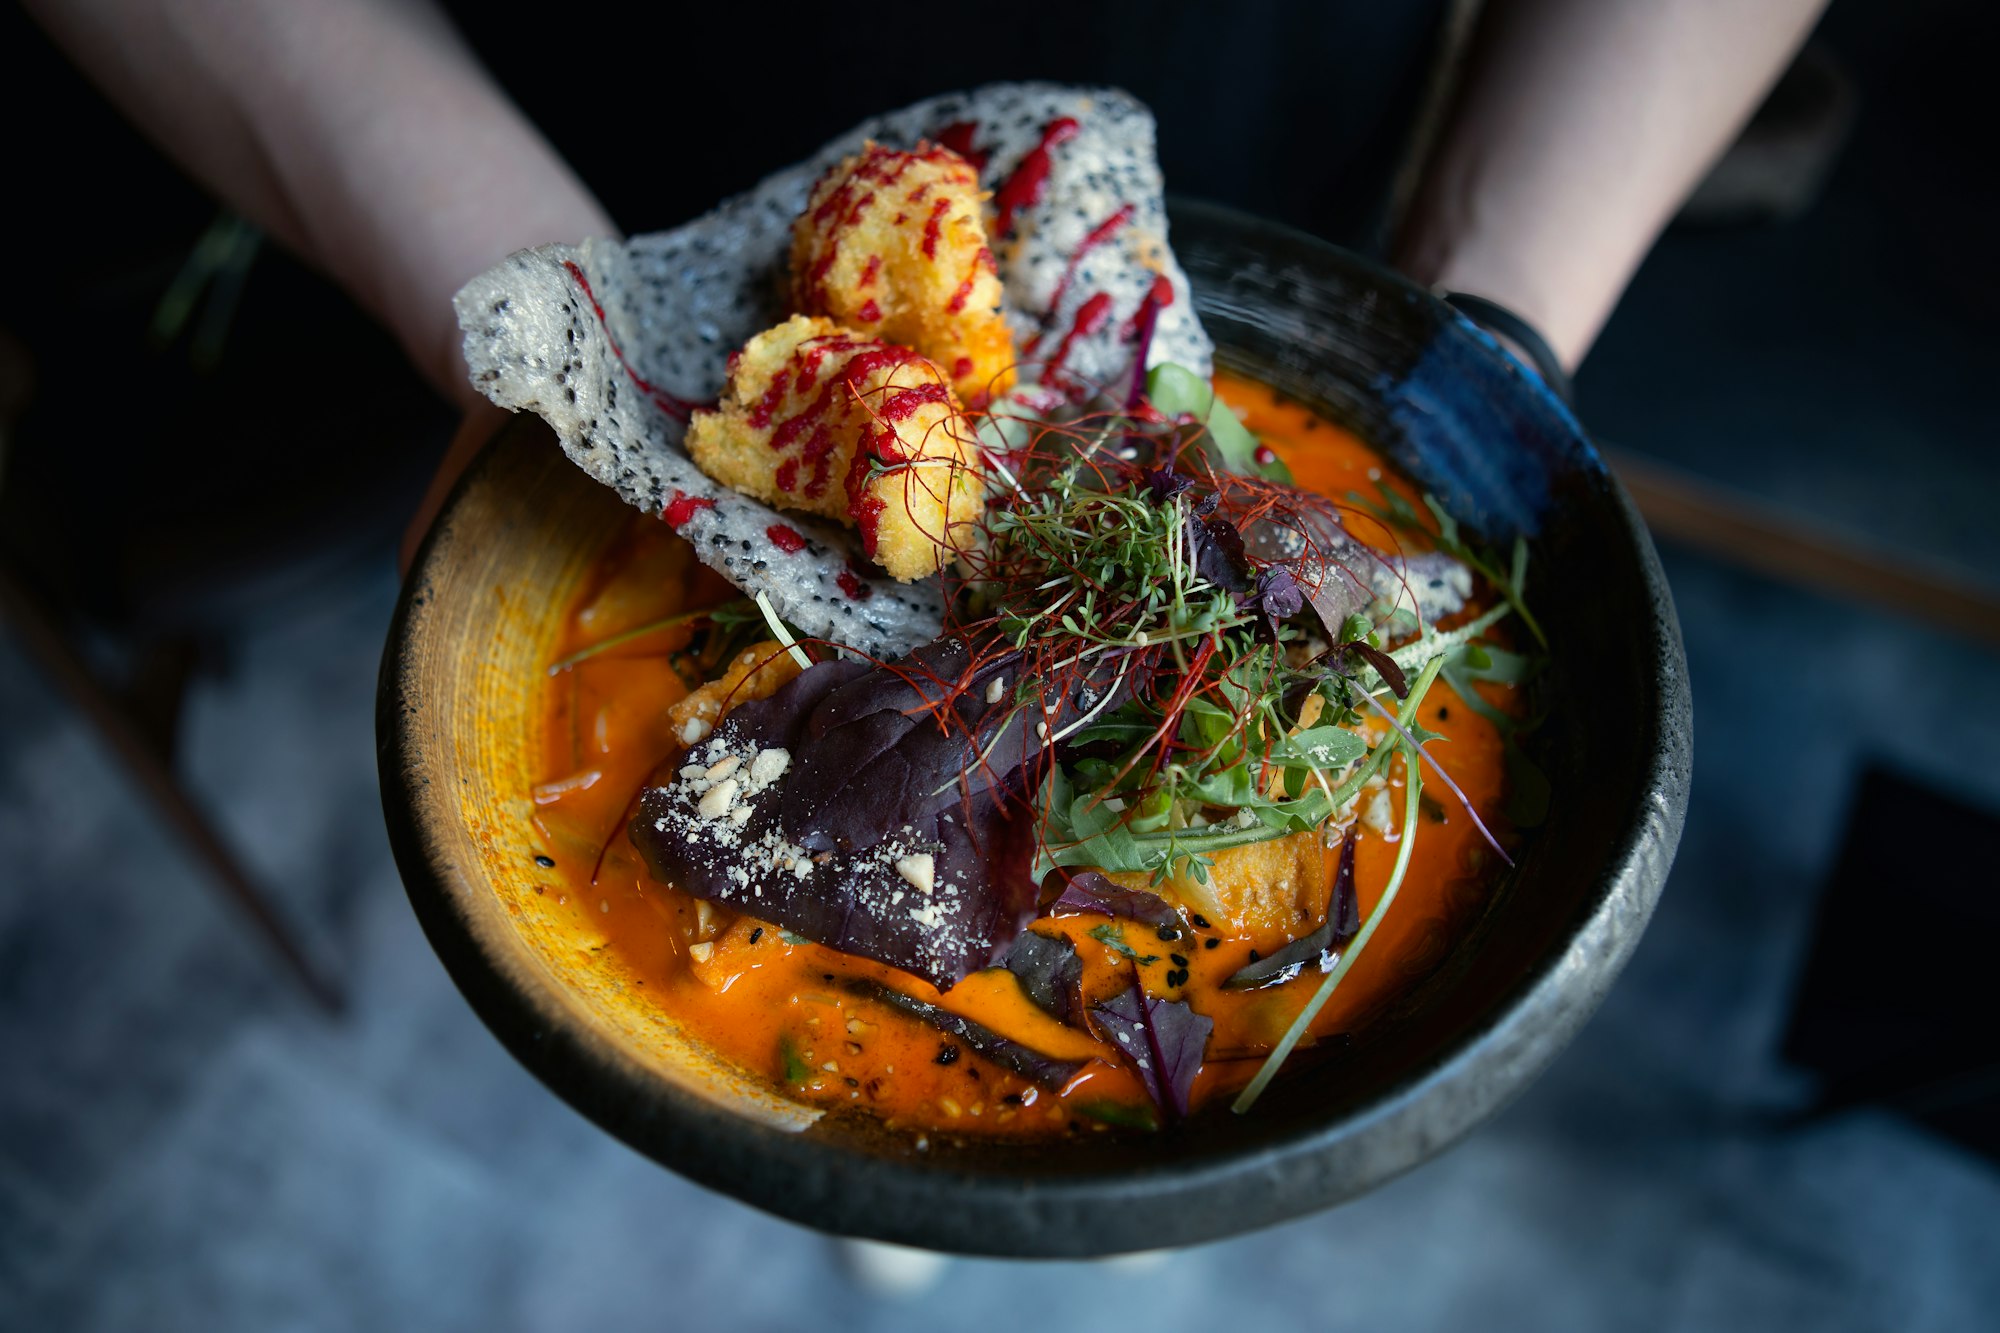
779 632
1413 786
627 636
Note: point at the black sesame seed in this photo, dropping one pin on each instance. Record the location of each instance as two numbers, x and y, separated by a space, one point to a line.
1178 960
1210 942
545 862
1254 955
1168 933
1202 921
947 1054
756 934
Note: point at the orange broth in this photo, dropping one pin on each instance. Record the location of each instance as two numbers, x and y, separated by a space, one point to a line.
779 1008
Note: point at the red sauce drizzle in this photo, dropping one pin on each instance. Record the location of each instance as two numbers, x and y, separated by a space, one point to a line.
786 538
1090 317
984 259
869 273
760 415
1099 234
1024 188
842 208
851 584
678 408
1158 297
809 423
958 137
932 225
683 507
961 367
869 313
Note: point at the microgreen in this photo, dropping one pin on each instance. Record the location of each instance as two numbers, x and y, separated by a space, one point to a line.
1511 583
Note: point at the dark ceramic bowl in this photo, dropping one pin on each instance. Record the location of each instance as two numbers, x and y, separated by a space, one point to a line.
456 732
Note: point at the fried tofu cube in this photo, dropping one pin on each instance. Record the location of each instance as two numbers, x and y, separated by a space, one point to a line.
895 244
758 672
1266 887
821 419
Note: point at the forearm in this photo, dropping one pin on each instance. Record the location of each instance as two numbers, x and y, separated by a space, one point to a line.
1580 128
361 133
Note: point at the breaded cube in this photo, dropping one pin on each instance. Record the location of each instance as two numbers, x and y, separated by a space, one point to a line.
818 418
758 672
895 244
1274 886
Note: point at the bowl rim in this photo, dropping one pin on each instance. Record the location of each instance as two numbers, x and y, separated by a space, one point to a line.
906 1200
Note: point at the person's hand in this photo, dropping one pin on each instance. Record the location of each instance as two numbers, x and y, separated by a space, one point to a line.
481 423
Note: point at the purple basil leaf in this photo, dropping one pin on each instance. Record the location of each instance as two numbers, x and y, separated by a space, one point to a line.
1163 1039
1026 1061
1218 551
1164 484
1343 910
1089 892
1050 971
1322 946
1385 665
940 917
903 743
1278 597
1328 562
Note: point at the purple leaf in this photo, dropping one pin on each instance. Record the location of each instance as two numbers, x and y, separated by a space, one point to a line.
1026 1061
940 895
1385 665
1278 597
1218 551
902 743
1090 893
1163 484
1050 971
1163 1039
1343 922
1325 559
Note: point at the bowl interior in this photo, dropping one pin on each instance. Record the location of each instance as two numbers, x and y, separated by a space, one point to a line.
478 625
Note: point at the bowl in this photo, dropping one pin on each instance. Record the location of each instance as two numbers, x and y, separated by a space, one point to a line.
478 620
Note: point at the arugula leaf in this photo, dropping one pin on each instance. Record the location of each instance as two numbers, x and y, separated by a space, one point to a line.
1329 749
1111 937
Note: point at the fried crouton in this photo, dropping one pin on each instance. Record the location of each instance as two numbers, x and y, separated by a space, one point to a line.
818 418
758 672
895 244
1273 886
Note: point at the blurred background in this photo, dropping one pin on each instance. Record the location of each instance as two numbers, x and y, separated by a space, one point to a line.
1786 1114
